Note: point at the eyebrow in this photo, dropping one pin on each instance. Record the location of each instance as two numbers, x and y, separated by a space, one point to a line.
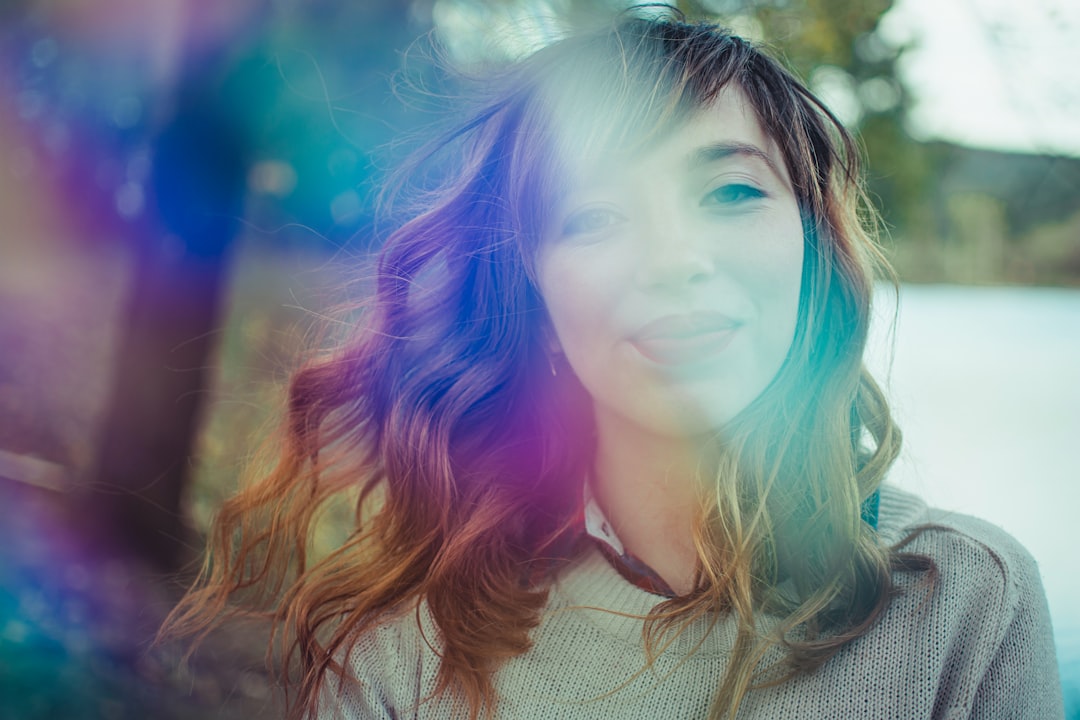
715 152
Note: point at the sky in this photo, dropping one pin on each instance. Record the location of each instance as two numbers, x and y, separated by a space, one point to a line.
992 73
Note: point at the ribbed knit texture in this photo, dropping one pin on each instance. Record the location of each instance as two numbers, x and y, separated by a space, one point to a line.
980 646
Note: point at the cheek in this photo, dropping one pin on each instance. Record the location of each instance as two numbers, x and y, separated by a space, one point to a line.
779 268
569 301
771 276
579 294
789 275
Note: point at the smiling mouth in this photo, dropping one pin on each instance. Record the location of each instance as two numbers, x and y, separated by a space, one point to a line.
686 339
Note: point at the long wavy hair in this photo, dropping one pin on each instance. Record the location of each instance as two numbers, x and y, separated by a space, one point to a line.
468 454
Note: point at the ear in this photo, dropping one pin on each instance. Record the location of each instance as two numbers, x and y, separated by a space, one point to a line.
550 339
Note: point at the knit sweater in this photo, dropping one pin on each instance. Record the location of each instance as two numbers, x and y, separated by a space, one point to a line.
978 646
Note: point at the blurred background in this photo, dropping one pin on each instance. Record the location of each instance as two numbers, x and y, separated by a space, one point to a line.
184 184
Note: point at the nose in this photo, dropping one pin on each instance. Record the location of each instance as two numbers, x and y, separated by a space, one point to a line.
674 255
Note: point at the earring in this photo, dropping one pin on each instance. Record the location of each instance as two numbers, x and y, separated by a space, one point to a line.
551 364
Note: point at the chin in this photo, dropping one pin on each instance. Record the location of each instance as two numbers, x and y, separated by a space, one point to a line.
690 417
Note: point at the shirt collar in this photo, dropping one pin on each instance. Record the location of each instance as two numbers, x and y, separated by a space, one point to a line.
596 523
596 526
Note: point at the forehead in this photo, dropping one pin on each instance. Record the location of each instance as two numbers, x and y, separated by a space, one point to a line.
726 130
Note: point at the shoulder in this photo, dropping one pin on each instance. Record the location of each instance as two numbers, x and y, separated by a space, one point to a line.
967 551
979 569
979 622
389 669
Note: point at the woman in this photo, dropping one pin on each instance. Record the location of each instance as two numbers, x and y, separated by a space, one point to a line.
616 451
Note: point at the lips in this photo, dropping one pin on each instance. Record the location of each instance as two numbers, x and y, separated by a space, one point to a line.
685 339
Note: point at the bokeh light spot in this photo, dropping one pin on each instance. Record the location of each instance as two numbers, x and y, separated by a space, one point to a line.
346 207
44 52
126 112
837 89
31 104
272 177
879 94
129 200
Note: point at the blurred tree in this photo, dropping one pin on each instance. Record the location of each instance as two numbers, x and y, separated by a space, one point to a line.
266 116
161 368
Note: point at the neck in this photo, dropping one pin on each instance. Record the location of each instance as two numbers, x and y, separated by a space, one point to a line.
647 487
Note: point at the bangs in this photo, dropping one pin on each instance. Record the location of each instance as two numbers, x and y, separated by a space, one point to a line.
613 94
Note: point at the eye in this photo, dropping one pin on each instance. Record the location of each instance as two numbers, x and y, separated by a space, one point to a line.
733 194
591 220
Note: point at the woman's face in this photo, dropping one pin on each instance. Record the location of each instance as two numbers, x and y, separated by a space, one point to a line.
672 277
